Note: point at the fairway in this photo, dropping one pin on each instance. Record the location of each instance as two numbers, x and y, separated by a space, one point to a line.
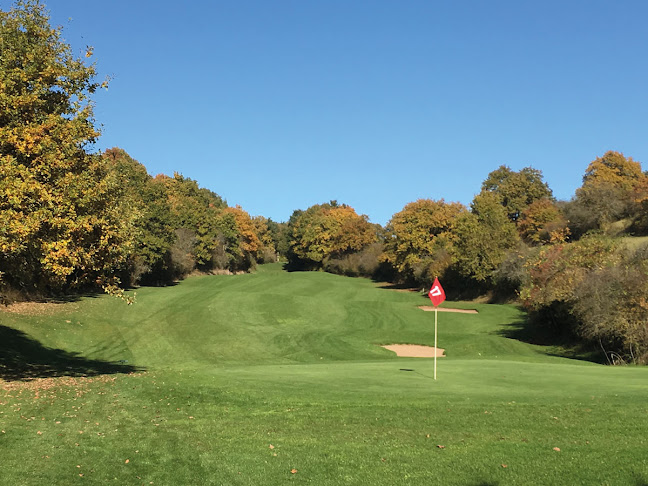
277 377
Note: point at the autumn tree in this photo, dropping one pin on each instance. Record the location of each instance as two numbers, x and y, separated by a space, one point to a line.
516 190
327 230
594 290
267 252
556 271
612 307
419 239
543 222
60 222
613 189
249 244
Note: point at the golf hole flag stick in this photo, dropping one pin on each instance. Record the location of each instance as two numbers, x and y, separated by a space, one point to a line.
437 295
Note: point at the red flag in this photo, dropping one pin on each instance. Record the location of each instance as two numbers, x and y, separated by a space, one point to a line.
436 293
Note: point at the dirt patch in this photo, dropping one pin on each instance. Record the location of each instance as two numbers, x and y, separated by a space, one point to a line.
415 350
37 308
428 308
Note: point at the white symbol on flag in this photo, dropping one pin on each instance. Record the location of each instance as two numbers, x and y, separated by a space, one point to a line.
435 291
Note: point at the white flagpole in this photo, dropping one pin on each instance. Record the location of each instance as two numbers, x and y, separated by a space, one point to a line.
435 340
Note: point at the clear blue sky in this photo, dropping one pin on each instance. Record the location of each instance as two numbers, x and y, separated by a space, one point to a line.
278 105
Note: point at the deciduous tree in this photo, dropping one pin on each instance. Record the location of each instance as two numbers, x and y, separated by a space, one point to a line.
517 190
327 230
419 238
483 238
60 223
612 190
543 222
147 200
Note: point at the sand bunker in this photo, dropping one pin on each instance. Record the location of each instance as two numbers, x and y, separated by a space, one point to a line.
429 308
415 350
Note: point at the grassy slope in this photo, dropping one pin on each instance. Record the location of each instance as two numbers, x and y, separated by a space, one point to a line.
239 363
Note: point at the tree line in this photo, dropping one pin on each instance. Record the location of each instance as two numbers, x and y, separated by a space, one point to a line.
72 219
577 266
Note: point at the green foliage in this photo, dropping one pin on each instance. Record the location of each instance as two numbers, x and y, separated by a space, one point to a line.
517 190
224 238
280 235
147 199
483 238
60 221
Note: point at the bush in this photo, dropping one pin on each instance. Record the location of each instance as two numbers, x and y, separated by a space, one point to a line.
182 259
612 308
364 263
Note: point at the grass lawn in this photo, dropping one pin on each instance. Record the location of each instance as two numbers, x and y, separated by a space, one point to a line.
276 377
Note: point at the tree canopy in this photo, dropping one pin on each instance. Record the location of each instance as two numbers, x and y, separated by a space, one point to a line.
327 230
517 190
60 223
419 238
484 236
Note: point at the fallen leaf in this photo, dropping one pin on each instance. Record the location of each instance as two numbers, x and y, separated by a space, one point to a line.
271 446
504 466
39 433
293 471
557 449
441 446
126 461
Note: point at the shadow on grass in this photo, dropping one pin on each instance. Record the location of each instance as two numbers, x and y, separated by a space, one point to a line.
23 358
400 286
532 332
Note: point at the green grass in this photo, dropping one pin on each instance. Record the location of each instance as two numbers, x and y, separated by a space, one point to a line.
634 242
235 364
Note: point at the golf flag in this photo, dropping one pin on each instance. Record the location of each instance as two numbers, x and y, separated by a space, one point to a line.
436 293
